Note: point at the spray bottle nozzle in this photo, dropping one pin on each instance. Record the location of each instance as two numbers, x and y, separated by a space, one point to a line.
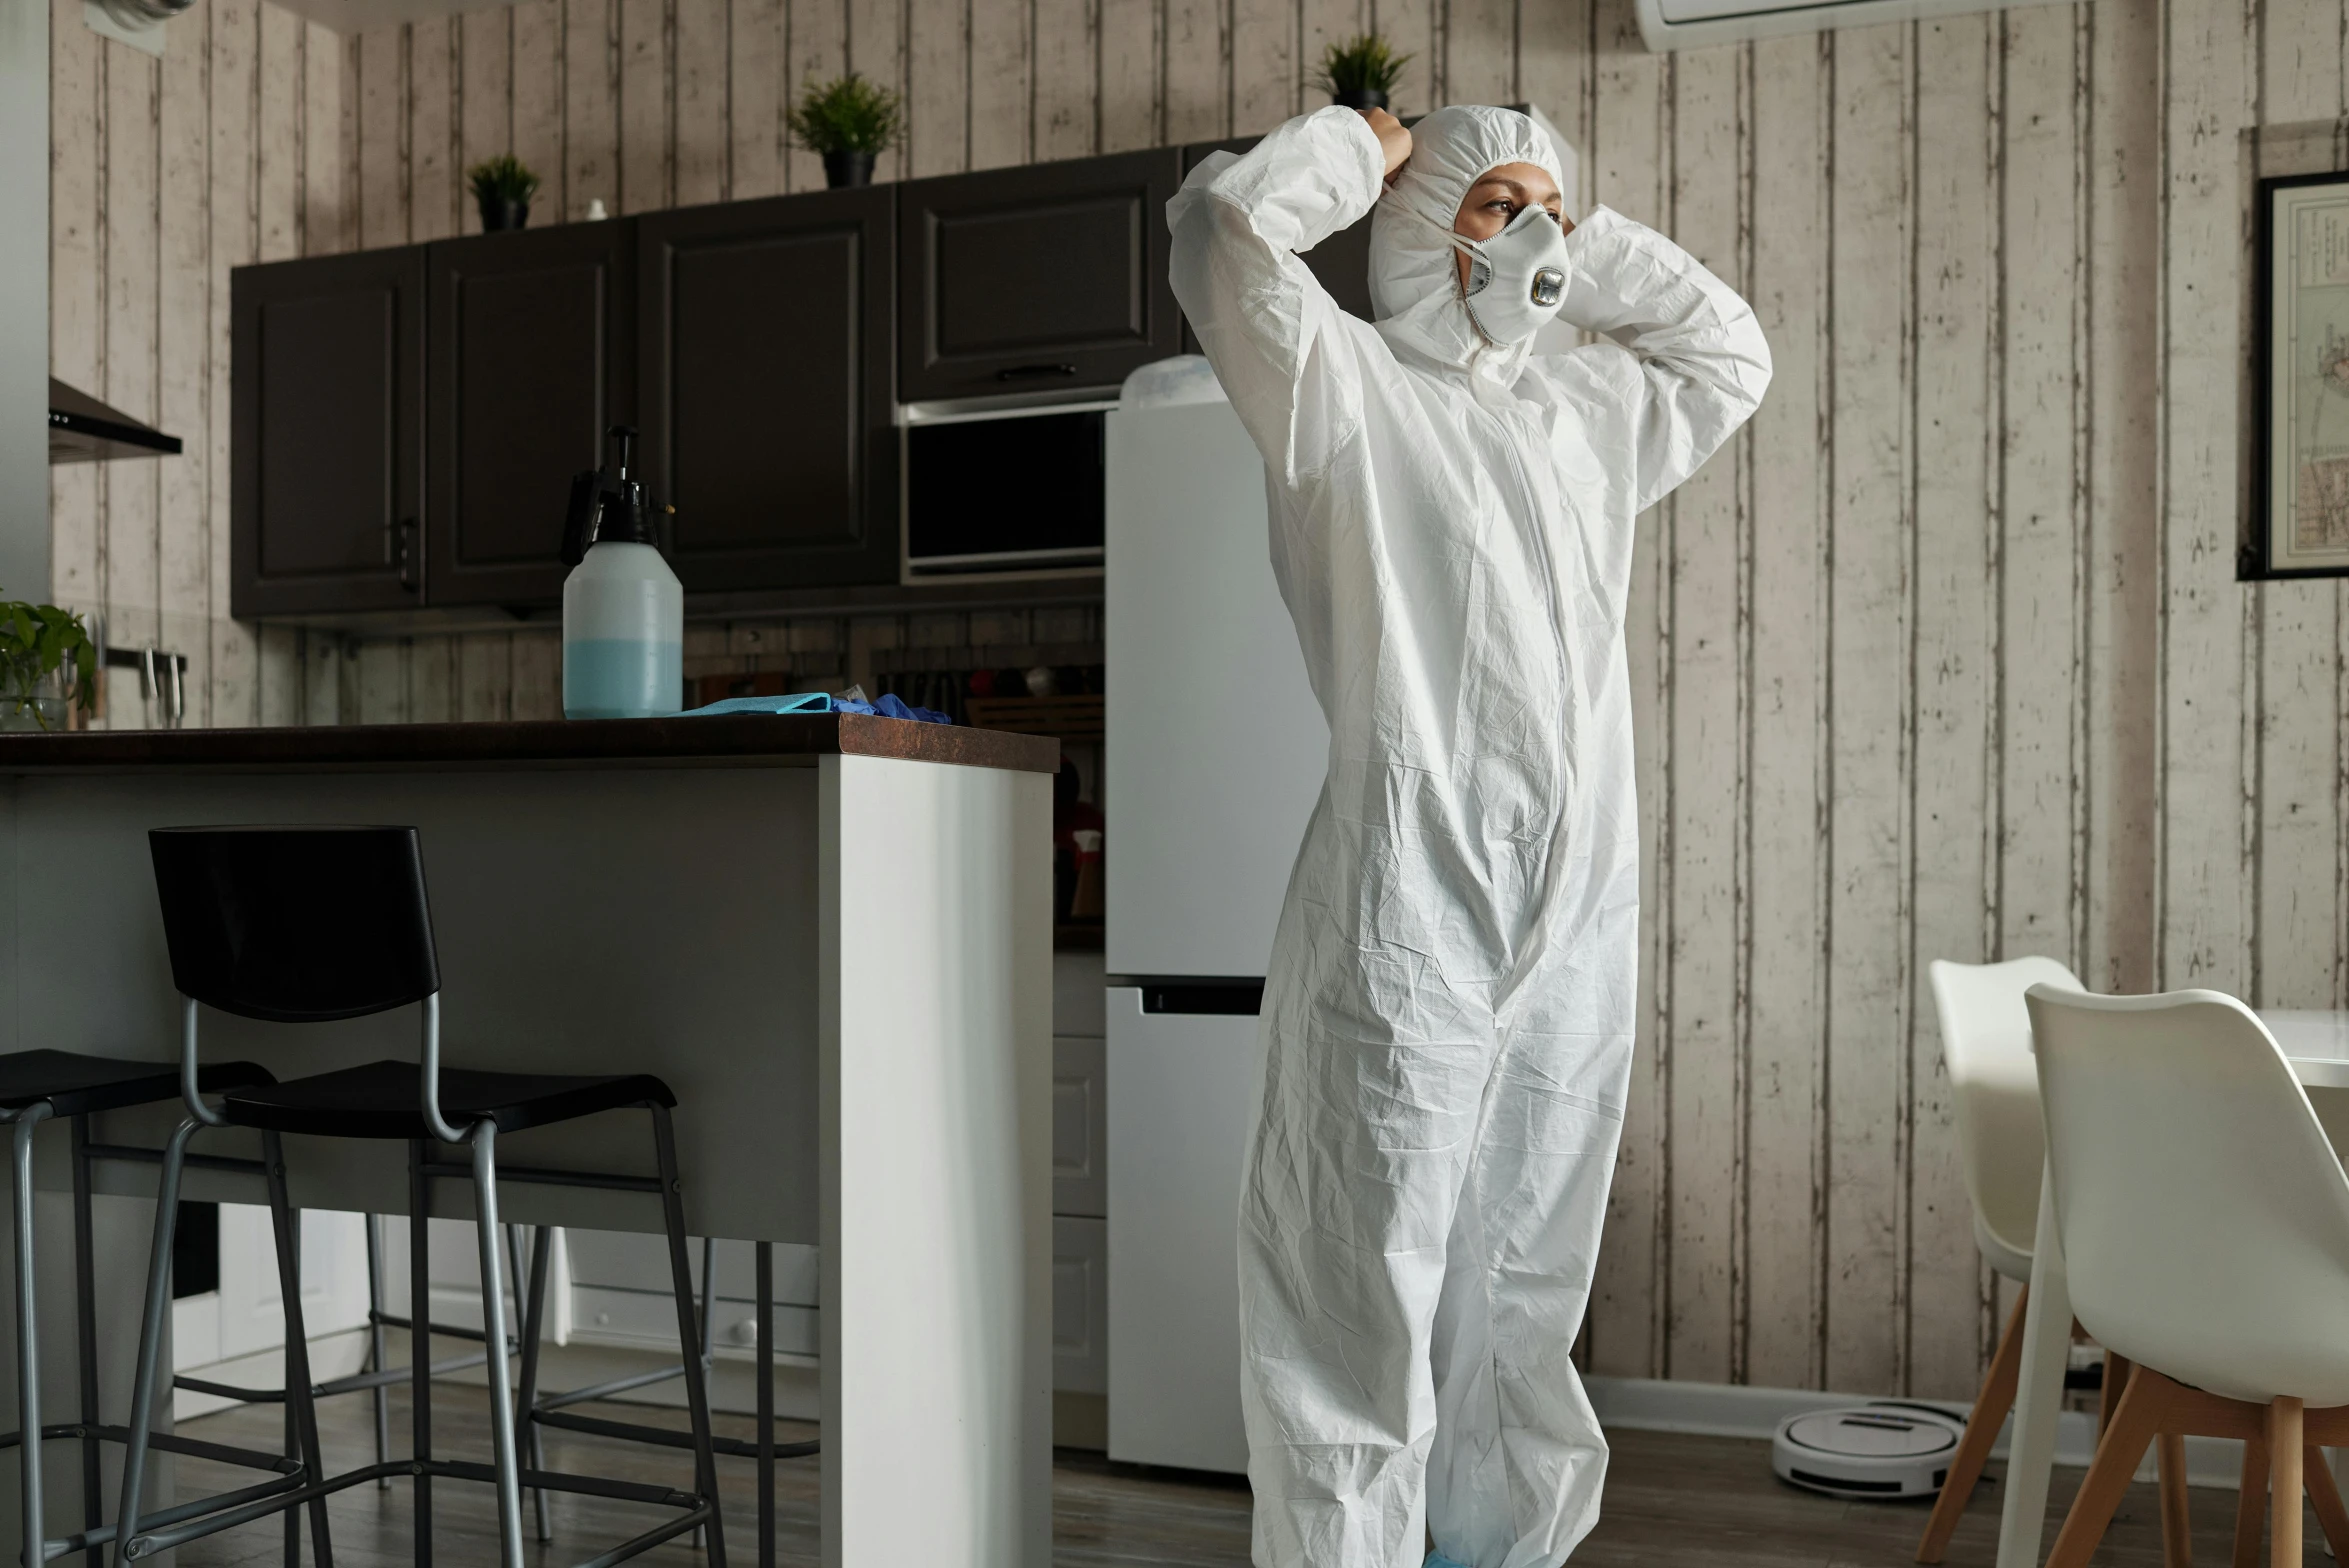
606 505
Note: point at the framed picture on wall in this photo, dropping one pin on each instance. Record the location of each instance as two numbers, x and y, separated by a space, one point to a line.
2300 478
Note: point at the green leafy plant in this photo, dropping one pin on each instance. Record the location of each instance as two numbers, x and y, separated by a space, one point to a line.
503 178
1363 64
847 115
38 641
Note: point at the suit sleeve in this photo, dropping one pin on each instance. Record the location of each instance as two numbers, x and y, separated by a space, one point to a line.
1682 355
1273 334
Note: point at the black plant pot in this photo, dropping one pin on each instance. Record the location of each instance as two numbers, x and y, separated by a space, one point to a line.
497 213
1360 98
848 168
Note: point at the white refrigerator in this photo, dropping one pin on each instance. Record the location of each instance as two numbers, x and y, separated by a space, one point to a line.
1215 754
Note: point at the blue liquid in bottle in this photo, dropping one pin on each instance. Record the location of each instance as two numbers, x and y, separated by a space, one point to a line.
621 678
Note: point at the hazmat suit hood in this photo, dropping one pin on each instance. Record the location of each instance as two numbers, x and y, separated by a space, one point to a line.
1414 281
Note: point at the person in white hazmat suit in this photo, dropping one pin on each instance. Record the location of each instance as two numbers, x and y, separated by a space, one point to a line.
1448 1008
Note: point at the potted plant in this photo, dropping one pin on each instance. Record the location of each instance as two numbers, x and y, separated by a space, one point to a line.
1359 72
48 662
850 122
503 187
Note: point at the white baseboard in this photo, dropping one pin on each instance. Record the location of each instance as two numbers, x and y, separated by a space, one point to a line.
1727 1410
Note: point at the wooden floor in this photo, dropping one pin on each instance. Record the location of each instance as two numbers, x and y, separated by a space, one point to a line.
1672 1502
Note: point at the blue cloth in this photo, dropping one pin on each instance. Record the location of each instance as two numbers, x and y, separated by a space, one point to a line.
797 702
888 706
1439 1560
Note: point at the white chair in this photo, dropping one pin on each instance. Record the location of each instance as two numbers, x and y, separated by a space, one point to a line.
2204 1220
1994 1088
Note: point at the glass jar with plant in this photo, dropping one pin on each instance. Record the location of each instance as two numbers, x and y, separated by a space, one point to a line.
502 187
850 122
48 666
1359 72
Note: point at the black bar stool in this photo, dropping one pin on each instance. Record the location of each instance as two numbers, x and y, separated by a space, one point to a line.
378 1375
44 1085
542 1409
315 924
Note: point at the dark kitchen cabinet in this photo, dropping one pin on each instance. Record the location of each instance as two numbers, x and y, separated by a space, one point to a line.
327 433
1341 262
766 332
531 354
1031 278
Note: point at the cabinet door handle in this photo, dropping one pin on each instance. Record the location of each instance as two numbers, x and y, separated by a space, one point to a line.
401 541
1026 372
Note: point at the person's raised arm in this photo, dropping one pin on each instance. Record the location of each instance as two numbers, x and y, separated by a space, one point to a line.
1260 315
1684 353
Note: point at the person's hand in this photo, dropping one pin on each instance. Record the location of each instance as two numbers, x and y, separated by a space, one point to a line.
1394 139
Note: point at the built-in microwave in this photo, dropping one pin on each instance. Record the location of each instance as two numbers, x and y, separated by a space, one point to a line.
1003 487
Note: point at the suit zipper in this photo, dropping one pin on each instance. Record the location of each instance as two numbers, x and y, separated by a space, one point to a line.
1538 943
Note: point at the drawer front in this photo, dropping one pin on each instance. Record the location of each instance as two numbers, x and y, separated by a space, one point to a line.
1080 1114
1080 1306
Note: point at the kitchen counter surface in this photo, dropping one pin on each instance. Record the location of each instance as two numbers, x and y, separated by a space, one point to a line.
740 740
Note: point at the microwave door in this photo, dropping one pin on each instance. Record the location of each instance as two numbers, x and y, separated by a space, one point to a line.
1017 492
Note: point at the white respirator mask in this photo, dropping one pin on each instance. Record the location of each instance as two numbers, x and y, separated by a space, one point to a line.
1516 279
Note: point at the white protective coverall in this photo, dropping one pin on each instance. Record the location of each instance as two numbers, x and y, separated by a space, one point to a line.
1448 1008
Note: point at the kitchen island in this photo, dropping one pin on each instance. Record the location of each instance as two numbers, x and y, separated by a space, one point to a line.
830 934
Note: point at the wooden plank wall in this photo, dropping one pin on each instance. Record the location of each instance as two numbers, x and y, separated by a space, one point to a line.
238 146
1944 657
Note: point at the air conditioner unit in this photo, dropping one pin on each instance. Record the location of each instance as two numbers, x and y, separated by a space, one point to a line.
1694 24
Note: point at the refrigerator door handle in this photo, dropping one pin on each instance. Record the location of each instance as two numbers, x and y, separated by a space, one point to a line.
1227 997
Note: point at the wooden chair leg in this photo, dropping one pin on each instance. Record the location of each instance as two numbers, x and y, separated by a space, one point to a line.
2177 1525
2251 1501
2116 1379
2133 1427
2285 1489
1989 1413
2331 1516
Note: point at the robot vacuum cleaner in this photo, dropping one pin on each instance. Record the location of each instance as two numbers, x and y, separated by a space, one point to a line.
1884 1449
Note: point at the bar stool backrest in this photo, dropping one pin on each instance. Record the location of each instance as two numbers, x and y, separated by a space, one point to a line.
2204 1216
296 924
1994 1087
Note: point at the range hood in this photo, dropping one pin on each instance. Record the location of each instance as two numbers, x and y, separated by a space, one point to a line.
84 430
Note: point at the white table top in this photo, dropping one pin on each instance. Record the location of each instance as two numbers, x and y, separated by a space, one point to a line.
2317 1044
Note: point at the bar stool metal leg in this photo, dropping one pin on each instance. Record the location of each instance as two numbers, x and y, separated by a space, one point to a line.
28 1342
697 1394
533 1328
290 1526
420 1340
766 1383
301 1411
151 1340
380 1393
493 1310
709 1322
85 1328
532 1441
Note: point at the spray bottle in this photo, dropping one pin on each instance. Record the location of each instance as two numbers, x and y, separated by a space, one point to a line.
623 609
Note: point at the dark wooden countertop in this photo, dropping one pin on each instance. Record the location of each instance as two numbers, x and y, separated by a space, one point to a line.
738 740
